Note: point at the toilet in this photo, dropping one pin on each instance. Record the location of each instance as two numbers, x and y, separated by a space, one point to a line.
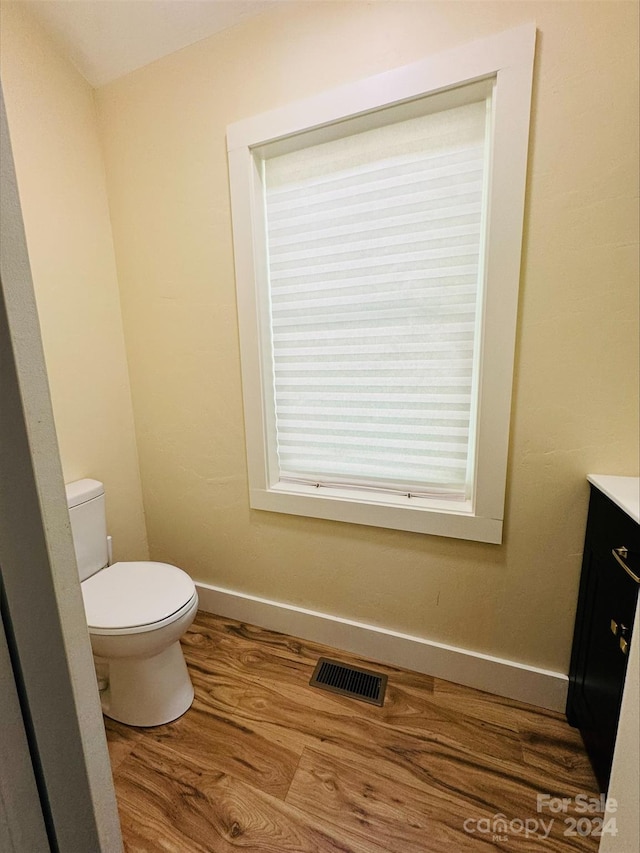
136 613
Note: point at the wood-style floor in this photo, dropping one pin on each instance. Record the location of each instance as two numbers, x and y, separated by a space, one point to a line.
262 762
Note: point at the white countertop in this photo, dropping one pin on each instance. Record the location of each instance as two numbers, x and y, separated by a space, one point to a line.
623 491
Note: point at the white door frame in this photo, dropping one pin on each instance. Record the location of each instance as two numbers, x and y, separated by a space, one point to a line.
42 610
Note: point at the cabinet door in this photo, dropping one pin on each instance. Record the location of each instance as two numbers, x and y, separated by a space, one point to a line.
606 609
613 605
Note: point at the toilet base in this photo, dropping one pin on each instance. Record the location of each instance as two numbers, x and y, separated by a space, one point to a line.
148 691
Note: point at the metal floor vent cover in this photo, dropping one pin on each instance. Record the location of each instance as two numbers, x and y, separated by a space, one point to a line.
350 681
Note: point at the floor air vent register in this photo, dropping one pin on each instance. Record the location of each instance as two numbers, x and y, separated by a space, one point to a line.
362 684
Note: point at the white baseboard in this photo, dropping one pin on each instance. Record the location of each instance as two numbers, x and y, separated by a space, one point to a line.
502 677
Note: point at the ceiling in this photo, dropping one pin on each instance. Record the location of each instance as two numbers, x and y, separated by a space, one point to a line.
108 38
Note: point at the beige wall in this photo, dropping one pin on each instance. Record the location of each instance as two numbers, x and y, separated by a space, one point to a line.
575 402
61 179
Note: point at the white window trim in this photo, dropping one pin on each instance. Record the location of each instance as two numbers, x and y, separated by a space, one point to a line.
507 57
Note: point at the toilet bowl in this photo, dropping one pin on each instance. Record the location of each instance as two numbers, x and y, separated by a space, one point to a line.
136 613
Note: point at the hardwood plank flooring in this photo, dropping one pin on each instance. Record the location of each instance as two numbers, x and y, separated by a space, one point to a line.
177 805
262 762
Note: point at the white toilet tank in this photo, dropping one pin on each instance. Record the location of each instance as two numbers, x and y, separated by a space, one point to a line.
85 499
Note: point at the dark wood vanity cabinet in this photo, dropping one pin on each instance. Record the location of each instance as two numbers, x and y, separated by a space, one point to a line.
604 623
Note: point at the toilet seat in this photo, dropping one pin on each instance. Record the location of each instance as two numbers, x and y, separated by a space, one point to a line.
128 598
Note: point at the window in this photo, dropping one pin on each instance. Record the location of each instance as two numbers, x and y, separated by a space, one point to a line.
377 233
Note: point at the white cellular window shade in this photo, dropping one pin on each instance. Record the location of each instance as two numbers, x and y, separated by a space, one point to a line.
374 247
377 236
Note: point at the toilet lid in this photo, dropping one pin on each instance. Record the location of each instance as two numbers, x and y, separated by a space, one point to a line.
127 595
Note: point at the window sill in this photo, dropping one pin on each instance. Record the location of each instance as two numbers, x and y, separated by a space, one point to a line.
418 515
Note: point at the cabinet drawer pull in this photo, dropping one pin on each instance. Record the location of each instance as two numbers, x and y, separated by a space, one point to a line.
620 554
